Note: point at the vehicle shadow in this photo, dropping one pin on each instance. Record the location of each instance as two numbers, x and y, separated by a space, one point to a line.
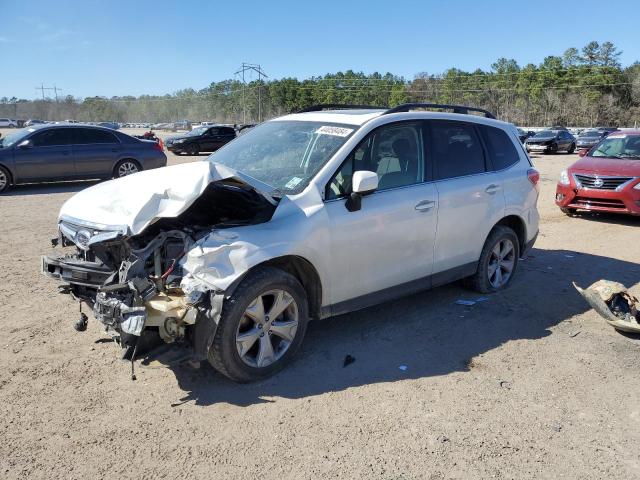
46 188
427 332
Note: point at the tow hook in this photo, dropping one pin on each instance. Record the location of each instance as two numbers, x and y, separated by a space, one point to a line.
81 324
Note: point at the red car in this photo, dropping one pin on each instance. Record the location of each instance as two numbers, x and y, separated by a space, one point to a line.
605 179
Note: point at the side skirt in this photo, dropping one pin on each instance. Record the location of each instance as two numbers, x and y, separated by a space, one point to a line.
399 291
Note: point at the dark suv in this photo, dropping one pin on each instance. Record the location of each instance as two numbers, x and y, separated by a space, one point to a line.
202 139
72 152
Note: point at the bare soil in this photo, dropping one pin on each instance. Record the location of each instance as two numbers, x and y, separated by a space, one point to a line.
528 384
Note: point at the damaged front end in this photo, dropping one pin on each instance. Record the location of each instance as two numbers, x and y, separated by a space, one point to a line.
133 281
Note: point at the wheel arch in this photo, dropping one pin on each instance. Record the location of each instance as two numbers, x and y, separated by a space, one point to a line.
303 270
12 177
517 224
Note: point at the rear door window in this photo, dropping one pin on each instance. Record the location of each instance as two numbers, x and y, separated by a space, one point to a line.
90 136
503 153
54 137
455 149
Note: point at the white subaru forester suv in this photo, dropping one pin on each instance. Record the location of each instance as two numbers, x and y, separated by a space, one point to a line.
305 216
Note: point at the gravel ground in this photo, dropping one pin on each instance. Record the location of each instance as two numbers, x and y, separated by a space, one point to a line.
528 384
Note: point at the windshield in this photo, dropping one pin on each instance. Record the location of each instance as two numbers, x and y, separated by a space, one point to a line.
197 132
284 154
627 146
591 133
15 137
545 134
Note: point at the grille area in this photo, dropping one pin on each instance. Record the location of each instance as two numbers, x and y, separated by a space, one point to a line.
593 181
582 202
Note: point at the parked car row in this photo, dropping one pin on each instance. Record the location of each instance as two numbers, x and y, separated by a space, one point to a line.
46 153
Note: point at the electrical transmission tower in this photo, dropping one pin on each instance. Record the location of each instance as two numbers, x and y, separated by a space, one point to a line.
55 89
247 67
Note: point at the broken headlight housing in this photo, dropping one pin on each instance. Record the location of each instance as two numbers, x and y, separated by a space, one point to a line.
84 234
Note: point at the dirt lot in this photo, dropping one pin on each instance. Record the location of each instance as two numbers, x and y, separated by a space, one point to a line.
528 384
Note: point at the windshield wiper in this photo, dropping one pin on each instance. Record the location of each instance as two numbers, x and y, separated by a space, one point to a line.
628 155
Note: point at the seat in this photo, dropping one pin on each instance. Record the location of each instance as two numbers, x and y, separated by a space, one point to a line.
407 156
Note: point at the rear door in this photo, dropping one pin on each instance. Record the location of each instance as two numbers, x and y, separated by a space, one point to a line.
49 156
95 151
470 196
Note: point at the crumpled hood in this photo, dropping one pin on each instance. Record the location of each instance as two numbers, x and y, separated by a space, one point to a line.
136 201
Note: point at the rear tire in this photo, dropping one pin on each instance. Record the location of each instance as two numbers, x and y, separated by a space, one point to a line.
239 343
5 179
126 167
572 148
498 261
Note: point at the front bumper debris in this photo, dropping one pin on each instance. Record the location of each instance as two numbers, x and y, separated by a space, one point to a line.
74 270
614 303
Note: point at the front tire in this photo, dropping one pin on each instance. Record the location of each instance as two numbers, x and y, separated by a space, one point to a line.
5 179
193 149
498 261
261 326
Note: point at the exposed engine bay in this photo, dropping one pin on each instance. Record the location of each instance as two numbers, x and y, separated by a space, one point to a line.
134 283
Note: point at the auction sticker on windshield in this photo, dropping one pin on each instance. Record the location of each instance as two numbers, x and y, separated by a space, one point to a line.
336 131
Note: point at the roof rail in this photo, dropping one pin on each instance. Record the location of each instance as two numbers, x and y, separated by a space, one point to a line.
337 106
406 107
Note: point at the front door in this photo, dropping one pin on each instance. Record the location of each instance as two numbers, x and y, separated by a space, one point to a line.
47 157
389 241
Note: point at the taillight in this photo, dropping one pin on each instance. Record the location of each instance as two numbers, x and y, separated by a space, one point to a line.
534 177
159 145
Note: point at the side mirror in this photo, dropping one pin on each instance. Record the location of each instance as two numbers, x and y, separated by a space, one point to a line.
25 144
363 183
583 152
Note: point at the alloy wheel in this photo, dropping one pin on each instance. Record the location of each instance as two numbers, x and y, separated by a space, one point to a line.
267 328
501 263
4 181
127 168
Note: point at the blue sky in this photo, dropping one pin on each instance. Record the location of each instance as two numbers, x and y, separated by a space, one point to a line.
89 47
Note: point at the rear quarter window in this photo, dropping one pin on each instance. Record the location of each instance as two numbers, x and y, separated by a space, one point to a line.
501 149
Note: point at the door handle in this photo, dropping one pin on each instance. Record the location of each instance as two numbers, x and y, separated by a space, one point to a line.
425 205
491 189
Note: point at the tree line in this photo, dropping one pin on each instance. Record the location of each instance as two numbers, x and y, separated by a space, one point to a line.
582 87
